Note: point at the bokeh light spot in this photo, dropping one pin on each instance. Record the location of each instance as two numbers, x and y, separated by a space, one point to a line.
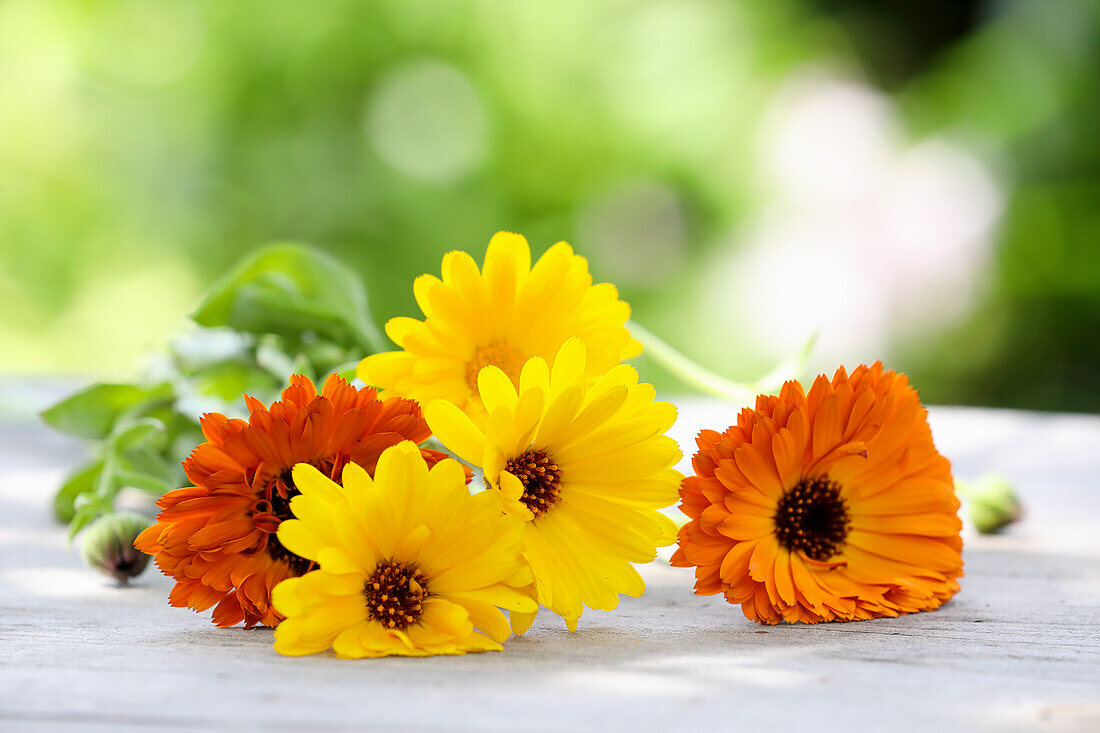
427 121
635 234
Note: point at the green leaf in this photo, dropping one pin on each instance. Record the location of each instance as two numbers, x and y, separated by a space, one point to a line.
151 463
230 380
78 483
132 460
144 481
324 355
88 508
286 289
92 412
135 432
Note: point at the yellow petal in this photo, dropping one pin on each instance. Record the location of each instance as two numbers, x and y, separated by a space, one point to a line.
494 464
511 488
336 561
655 492
507 262
499 595
456 431
289 643
300 539
476 642
347 643
512 432
426 637
634 461
534 375
449 618
408 547
568 366
557 422
284 597
521 622
481 571
400 327
401 465
422 286
496 389
485 617
446 476
385 369
511 491
310 481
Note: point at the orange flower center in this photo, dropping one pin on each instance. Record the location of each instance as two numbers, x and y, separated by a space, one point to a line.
812 518
541 479
395 595
499 354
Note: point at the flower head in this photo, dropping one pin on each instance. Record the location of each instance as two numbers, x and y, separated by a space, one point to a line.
832 505
108 546
217 538
584 462
409 563
501 315
991 502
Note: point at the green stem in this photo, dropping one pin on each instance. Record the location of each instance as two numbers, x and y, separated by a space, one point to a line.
710 383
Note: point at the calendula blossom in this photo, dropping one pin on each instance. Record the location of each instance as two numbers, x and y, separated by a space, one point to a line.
584 463
828 506
217 538
500 315
408 563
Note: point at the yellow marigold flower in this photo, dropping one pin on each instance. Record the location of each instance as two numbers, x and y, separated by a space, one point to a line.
828 506
499 316
410 563
217 538
585 463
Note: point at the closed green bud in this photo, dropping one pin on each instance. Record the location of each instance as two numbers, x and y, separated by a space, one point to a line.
108 546
991 502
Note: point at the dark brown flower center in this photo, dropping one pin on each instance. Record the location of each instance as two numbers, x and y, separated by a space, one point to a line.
541 479
812 518
282 491
395 594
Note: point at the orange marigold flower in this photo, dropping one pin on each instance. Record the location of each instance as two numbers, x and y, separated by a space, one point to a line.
217 538
831 506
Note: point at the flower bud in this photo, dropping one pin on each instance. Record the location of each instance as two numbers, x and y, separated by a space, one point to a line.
991 502
108 546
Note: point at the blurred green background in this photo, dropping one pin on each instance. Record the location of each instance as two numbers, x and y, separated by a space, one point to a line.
919 181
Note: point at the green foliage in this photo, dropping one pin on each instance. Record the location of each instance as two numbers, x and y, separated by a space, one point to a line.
390 132
93 412
288 291
80 482
286 309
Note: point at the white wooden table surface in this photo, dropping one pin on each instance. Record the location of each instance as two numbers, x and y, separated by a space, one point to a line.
1018 648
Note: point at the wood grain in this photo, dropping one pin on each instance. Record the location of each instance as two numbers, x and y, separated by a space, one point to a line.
1018 649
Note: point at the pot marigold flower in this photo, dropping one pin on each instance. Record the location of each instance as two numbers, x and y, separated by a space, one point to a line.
499 316
410 563
585 463
828 506
218 538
